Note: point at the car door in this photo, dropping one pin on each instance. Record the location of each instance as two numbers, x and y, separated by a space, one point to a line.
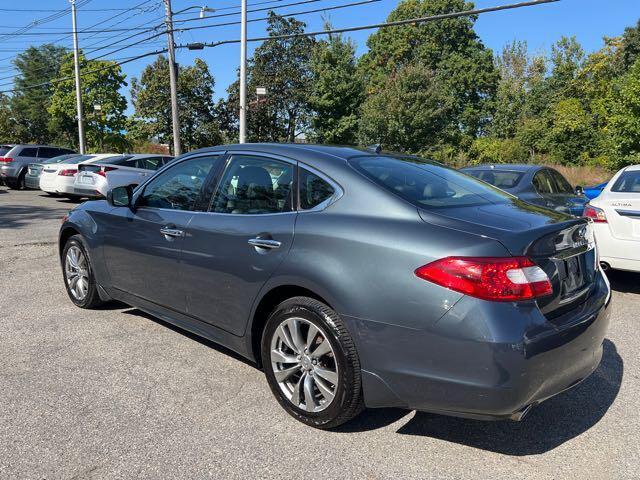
142 244
233 249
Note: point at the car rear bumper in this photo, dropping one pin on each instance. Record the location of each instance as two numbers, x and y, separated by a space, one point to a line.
485 360
619 254
32 182
90 192
9 172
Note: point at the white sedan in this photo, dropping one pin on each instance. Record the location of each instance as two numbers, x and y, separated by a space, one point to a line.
95 179
58 178
616 218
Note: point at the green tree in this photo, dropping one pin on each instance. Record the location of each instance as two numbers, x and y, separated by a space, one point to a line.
283 66
337 91
631 46
512 65
31 98
567 56
571 133
624 118
449 48
412 111
101 82
152 103
7 123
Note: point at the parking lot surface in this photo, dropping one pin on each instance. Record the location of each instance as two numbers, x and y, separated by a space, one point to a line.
114 393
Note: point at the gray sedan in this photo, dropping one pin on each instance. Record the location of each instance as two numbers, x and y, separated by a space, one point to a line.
355 279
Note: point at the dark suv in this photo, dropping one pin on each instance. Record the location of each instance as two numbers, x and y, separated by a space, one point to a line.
14 160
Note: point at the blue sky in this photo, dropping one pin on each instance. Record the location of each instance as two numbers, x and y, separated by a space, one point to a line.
540 26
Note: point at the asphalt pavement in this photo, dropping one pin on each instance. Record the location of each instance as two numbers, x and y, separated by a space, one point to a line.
115 393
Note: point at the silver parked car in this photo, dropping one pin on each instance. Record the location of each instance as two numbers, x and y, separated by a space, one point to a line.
34 170
354 278
14 162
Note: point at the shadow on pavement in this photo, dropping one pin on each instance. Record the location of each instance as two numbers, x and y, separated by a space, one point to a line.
624 282
186 333
16 216
548 426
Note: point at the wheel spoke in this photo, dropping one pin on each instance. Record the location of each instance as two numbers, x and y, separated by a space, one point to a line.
286 338
296 333
325 389
309 402
311 335
73 281
322 349
282 375
280 357
295 395
327 375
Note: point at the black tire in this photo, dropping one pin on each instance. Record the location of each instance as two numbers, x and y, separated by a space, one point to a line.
92 298
17 184
347 402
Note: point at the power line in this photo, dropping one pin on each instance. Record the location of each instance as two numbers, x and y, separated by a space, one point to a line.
416 21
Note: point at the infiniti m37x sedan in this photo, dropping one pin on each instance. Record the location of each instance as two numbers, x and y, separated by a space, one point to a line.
355 279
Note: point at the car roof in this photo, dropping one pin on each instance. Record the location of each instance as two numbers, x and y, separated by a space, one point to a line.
632 168
512 167
285 149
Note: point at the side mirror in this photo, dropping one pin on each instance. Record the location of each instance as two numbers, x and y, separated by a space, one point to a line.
120 196
579 190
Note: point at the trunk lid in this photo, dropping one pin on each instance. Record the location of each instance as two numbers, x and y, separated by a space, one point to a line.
623 214
561 245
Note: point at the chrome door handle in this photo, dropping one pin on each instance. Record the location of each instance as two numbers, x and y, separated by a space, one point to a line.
171 232
264 243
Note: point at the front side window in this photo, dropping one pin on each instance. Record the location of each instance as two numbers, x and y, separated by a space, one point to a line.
313 190
628 182
178 188
427 184
254 186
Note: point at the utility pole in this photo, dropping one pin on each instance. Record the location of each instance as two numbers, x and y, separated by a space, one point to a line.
173 80
243 72
76 62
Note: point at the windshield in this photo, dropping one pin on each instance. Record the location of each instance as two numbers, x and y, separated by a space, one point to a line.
60 158
628 182
427 184
504 179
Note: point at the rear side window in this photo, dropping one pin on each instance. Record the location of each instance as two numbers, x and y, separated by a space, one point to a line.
628 182
28 152
254 186
149 163
426 184
48 152
497 178
4 149
313 190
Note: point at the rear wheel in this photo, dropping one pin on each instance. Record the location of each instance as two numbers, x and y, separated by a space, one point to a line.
78 274
17 184
311 363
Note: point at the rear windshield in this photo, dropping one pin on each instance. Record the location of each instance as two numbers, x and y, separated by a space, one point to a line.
427 184
116 160
61 158
498 178
628 182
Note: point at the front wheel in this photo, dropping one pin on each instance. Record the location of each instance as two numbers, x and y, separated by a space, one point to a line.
311 363
78 274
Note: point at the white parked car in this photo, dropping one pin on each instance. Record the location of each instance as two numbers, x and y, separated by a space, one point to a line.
95 179
616 217
58 178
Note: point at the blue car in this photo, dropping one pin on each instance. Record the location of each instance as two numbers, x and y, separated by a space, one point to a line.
593 192
534 184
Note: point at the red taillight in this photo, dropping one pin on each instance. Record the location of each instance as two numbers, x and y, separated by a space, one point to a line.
103 171
6 159
68 172
500 279
594 213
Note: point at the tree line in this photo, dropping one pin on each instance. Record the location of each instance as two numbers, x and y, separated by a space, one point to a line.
432 89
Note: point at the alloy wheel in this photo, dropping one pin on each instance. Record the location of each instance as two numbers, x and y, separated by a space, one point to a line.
76 269
304 364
